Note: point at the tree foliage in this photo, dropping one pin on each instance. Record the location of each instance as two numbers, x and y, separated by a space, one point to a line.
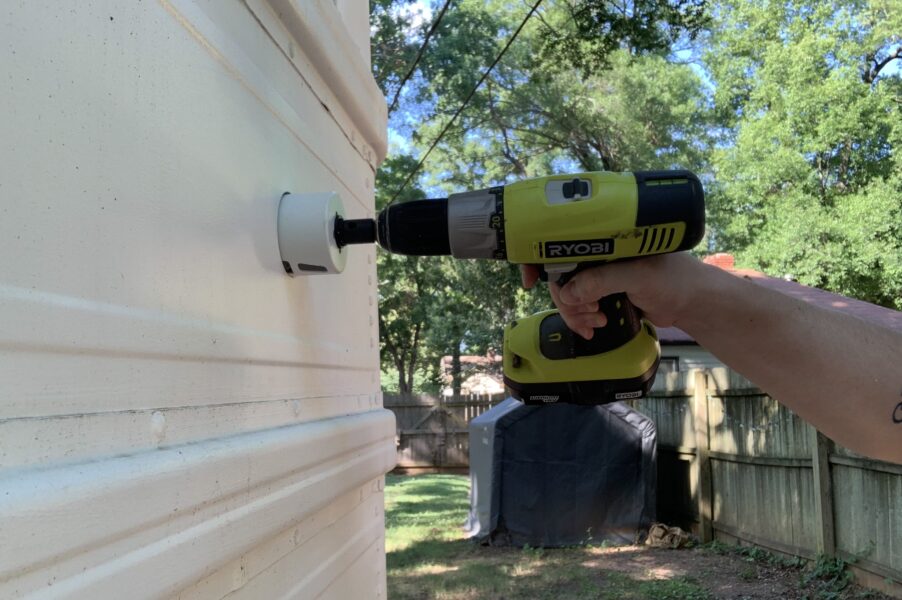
589 32
808 183
628 108
613 102
406 288
622 105
392 49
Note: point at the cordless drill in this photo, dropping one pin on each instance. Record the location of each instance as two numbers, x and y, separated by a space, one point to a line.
562 223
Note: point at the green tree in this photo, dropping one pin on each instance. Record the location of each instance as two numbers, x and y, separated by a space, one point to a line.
392 47
475 299
538 114
809 180
406 288
624 107
586 33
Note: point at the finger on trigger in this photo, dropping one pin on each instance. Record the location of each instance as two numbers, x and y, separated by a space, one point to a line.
576 326
580 309
593 320
582 321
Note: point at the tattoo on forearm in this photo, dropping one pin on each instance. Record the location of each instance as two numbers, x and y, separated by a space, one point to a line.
897 414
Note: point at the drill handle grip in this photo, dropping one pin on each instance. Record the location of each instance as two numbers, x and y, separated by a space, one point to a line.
613 308
557 341
624 319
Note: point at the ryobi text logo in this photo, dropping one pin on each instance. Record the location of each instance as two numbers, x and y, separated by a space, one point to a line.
578 248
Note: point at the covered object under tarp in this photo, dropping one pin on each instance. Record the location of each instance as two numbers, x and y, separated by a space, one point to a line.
561 474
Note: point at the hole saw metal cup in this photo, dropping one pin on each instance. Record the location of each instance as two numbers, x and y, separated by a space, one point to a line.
306 227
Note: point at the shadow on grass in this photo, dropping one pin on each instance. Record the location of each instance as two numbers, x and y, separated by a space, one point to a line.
414 512
430 500
438 486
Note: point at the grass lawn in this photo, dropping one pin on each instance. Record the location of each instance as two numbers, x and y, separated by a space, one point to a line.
428 556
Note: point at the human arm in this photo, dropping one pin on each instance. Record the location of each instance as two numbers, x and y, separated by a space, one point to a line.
840 373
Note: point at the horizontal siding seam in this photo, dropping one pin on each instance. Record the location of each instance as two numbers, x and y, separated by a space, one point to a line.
244 568
103 580
359 555
68 491
374 529
166 409
246 525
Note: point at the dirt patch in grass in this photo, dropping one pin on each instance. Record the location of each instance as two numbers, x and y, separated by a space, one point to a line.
720 575
428 558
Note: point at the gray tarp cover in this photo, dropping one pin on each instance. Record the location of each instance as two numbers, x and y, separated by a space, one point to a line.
561 474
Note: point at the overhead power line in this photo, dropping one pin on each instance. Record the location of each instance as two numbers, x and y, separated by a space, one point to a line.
416 61
466 101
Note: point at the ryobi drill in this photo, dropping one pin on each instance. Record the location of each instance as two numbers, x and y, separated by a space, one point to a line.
562 223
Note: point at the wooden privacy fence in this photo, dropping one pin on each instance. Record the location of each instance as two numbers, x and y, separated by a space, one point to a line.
432 430
741 466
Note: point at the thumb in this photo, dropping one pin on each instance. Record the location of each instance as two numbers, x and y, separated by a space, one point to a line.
594 283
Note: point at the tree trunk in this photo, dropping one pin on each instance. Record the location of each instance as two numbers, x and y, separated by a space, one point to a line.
414 355
410 372
455 369
403 387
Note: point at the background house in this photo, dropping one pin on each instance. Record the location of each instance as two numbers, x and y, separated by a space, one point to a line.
480 375
177 416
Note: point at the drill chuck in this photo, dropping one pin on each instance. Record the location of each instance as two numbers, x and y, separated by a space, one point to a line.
417 228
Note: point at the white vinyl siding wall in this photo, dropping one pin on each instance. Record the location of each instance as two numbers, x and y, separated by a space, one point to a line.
178 418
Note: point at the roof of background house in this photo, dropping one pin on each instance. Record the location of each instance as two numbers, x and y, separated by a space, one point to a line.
863 310
471 360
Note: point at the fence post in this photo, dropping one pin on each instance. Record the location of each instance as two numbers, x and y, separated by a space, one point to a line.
702 460
442 454
825 535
